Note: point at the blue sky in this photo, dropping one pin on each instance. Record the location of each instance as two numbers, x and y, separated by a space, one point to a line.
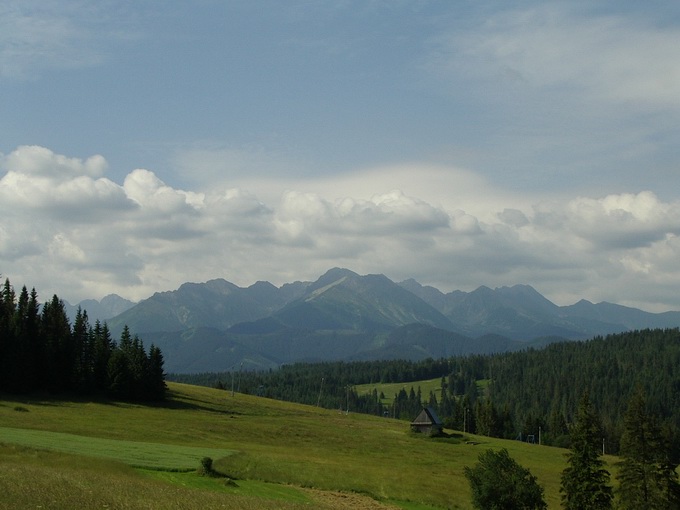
144 144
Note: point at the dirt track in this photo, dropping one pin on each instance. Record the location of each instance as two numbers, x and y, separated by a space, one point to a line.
333 500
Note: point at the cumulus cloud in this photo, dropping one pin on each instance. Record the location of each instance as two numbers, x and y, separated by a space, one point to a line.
624 221
145 235
34 160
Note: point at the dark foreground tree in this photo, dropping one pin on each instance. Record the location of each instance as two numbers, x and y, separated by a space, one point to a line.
647 477
498 482
40 351
585 482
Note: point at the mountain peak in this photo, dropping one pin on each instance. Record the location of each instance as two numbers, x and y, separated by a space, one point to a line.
332 276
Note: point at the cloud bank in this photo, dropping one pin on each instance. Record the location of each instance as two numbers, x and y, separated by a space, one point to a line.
69 230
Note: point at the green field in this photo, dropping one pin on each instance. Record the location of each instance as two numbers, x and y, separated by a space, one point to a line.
140 454
68 454
392 389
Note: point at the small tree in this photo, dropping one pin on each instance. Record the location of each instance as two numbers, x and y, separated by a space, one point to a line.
498 482
647 478
585 482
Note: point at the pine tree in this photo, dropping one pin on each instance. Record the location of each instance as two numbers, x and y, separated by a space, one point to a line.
156 379
59 354
26 343
121 372
585 482
119 375
82 344
645 480
102 347
7 332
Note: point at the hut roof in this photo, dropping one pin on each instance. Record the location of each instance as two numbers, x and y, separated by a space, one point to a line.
428 416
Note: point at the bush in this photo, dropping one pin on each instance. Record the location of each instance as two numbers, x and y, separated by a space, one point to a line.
206 467
497 482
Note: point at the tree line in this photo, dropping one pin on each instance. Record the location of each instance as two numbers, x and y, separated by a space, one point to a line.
41 351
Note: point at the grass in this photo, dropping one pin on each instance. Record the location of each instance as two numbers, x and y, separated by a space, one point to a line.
134 453
44 479
426 386
392 389
280 455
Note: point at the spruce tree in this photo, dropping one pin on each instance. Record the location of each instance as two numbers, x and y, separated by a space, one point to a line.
585 482
103 346
83 362
7 333
646 477
59 354
156 376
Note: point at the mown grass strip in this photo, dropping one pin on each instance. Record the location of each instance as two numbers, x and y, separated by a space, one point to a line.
134 453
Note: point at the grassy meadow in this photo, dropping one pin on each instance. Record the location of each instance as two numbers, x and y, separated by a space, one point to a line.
392 389
78 453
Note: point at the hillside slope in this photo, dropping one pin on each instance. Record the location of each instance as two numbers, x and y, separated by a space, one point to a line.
276 442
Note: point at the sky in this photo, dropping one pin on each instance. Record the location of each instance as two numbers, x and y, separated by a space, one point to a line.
461 143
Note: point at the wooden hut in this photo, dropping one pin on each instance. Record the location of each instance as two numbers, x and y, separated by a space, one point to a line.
427 423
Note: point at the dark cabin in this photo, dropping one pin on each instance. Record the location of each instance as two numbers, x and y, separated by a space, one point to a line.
427 423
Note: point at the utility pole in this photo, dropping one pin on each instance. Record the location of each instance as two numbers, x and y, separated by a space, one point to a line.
239 377
318 402
232 378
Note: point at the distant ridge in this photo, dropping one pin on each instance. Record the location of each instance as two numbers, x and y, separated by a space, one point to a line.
109 306
346 316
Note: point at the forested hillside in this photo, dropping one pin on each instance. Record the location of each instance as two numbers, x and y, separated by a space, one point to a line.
41 351
513 395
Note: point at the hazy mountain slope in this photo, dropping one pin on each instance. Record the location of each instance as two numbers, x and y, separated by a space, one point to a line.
346 316
109 306
341 299
216 304
518 312
206 350
629 318
419 341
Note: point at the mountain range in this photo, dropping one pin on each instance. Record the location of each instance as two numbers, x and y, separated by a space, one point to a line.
216 326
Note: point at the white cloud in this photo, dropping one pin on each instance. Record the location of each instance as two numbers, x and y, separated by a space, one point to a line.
626 220
34 160
145 235
151 193
38 179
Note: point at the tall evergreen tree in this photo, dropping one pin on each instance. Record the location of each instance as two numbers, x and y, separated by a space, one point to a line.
156 375
585 482
59 353
25 324
102 348
7 332
83 348
646 478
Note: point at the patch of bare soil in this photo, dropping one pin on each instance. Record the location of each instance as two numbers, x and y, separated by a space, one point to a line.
334 500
